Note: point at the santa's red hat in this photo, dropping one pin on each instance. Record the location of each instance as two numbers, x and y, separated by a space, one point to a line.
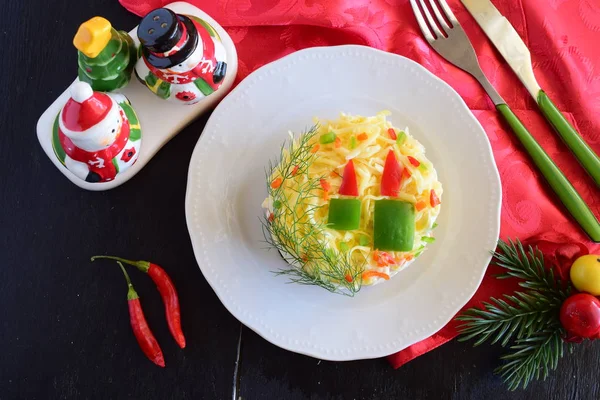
84 109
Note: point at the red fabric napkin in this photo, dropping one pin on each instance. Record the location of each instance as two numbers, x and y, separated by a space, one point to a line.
563 38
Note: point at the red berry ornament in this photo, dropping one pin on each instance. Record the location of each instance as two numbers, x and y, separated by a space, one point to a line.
580 316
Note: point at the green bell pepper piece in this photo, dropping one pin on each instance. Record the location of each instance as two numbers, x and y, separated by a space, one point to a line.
363 240
394 225
353 142
326 138
401 138
344 214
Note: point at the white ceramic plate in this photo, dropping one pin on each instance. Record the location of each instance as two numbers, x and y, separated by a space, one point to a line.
226 186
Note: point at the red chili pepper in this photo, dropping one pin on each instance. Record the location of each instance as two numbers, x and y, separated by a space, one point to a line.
392 134
167 292
414 161
271 217
391 177
349 185
140 327
325 185
433 198
295 170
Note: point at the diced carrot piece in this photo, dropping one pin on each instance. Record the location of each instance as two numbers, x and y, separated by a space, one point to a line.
369 274
271 217
337 142
348 278
387 258
420 205
362 136
315 148
276 182
325 185
295 170
376 255
383 259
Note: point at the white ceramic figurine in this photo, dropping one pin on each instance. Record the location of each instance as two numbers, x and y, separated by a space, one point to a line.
182 58
96 136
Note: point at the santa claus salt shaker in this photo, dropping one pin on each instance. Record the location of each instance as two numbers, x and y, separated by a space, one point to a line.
182 58
96 135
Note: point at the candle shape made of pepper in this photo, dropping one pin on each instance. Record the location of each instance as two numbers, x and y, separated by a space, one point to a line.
167 292
344 213
140 327
182 58
393 220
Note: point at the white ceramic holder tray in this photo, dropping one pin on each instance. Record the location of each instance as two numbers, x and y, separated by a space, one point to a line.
160 120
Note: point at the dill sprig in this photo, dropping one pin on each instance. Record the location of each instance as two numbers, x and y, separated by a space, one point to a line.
292 230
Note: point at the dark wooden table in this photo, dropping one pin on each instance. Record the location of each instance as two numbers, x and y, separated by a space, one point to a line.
64 328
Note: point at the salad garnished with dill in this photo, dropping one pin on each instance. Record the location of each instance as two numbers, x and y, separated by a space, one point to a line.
350 202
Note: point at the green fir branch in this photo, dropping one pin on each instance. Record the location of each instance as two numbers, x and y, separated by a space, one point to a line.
501 321
529 319
529 266
532 357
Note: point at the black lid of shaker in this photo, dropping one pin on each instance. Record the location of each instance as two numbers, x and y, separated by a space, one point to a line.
162 40
159 30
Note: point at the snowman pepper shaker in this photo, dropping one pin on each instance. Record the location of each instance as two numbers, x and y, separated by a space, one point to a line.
182 58
96 136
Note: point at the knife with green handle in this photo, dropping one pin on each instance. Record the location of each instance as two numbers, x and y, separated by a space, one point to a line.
513 49
556 179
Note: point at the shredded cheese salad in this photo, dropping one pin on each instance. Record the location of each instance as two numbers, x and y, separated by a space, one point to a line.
366 141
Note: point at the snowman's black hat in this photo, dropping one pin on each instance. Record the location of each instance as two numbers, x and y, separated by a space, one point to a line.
162 29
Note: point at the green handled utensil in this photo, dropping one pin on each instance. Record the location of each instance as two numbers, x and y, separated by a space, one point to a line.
454 45
515 52
556 179
586 156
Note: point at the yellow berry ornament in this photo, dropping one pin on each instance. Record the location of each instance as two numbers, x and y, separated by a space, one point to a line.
585 274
